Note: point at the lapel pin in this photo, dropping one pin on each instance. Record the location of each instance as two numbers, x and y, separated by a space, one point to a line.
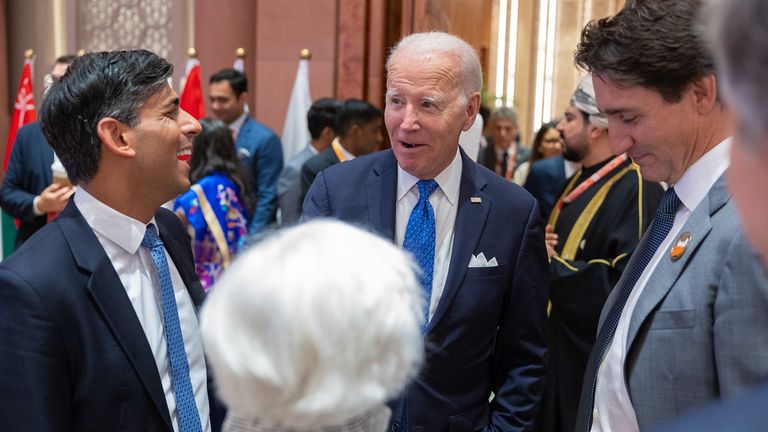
475 200
680 245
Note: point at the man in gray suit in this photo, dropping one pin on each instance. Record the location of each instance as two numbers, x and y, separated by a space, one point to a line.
739 35
687 321
320 120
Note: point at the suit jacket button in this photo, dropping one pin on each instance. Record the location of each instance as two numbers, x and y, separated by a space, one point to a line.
395 427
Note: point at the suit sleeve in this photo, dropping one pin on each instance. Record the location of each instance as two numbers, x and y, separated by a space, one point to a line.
268 162
33 361
289 195
520 351
740 320
15 199
317 202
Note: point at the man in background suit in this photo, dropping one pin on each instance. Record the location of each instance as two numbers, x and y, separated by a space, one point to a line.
260 149
320 120
546 181
358 131
739 34
503 154
478 239
686 323
99 328
28 193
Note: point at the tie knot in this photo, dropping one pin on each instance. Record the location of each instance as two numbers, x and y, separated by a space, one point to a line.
669 202
426 187
151 239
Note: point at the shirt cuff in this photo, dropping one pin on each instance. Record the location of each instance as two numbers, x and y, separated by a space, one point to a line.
35 209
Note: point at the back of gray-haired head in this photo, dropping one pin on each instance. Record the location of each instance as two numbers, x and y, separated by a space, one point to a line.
738 32
314 348
431 45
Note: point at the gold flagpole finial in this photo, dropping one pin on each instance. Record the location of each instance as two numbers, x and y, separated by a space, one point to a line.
240 53
80 52
305 54
192 53
29 54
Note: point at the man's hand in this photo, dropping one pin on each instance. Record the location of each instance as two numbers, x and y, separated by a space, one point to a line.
54 198
550 238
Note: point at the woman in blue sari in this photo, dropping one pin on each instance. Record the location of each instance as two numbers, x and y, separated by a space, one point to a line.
217 206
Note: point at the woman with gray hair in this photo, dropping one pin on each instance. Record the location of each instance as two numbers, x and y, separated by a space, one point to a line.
313 330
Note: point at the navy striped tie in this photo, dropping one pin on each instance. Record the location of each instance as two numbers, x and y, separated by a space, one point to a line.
662 223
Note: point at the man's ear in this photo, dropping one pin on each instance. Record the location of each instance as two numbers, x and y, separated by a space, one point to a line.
115 137
243 97
705 92
473 107
594 132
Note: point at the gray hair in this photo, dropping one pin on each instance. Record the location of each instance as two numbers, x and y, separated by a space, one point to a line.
504 113
739 36
314 326
431 45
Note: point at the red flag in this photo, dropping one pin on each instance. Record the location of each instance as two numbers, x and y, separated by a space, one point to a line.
23 108
192 95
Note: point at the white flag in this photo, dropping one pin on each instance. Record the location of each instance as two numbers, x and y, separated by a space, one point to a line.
295 130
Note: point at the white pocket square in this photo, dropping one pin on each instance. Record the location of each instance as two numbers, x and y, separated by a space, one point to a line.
481 261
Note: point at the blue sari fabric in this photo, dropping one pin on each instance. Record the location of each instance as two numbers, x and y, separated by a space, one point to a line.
222 195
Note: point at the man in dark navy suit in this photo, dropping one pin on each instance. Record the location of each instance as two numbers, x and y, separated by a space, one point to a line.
29 193
99 326
477 237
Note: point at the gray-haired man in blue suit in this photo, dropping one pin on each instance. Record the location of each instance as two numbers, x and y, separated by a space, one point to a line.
478 239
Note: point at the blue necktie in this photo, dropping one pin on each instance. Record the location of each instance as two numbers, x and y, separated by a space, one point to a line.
188 416
662 223
420 240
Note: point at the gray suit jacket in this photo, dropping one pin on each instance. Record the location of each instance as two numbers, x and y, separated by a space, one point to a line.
700 328
289 192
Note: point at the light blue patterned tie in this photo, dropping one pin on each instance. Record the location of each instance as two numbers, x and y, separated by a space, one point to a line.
660 227
189 418
420 240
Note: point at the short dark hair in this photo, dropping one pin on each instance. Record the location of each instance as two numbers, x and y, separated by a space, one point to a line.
236 79
112 84
652 43
66 59
322 114
355 112
213 149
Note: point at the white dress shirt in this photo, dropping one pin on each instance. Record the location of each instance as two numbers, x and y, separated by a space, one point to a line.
444 201
121 237
344 152
236 125
613 407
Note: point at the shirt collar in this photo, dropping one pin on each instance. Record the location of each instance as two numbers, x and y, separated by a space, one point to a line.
509 150
698 179
236 125
123 230
347 155
449 180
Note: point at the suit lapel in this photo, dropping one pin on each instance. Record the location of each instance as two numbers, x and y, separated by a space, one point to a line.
470 221
110 298
381 192
667 272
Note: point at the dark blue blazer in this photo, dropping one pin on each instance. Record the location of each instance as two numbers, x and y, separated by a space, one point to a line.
546 180
29 172
73 355
261 152
487 333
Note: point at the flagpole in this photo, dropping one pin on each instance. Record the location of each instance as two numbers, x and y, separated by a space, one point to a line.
295 129
23 113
